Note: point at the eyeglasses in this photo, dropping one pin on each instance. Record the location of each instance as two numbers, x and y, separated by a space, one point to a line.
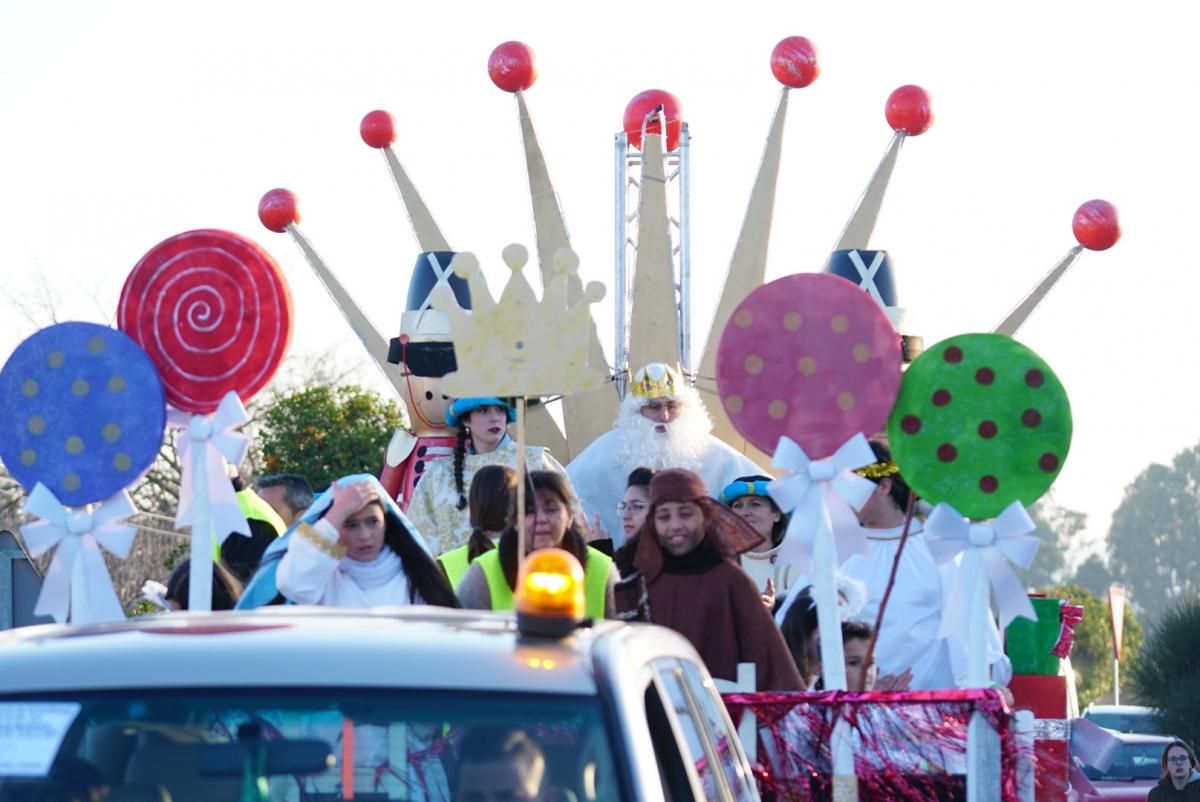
633 506
1179 759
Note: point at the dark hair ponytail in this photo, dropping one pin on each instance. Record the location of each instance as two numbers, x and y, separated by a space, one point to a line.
460 456
427 584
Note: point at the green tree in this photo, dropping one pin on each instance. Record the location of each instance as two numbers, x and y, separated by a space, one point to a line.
323 432
1167 677
1154 541
1056 528
1091 656
1093 575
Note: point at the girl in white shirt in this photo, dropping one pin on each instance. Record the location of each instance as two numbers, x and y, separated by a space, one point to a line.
353 548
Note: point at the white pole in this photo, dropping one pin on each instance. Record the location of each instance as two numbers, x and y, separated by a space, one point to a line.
1116 682
1026 779
833 661
201 568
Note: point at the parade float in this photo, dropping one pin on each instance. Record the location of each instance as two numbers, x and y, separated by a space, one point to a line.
796 373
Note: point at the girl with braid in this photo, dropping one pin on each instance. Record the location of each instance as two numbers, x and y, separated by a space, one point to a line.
439 506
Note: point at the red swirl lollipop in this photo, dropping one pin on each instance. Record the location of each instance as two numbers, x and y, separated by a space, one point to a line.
810 356
212 310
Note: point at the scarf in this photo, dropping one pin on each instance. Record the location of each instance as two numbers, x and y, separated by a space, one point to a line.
383 569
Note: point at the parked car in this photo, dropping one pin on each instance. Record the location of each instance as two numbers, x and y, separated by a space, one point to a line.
1124 718
325 704
1135 769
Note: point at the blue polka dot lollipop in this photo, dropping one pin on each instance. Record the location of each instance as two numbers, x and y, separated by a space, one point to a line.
82 411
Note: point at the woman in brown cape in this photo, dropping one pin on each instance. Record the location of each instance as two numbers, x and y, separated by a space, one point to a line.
688 576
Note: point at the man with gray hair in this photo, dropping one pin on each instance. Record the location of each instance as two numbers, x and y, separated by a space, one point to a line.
289 494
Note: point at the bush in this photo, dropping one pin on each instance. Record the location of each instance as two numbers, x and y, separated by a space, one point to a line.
1167 675
323 432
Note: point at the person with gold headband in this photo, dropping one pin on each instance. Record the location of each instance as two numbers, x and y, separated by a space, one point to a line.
689 579
908 637
661 423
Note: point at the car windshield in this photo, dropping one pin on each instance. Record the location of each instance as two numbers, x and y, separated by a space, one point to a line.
1131 762
1125 722
304 746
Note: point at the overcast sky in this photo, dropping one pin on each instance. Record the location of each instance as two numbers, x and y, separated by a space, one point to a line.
125 123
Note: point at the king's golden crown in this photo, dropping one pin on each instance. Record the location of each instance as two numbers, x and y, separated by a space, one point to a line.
657 380
519 346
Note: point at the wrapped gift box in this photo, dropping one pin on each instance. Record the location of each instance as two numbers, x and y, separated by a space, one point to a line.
1045 696
1029 644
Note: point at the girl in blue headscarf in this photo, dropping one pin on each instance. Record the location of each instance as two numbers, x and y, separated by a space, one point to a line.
352 548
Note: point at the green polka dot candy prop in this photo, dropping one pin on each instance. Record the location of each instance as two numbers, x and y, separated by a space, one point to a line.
82 413
981 428
806 366
981 421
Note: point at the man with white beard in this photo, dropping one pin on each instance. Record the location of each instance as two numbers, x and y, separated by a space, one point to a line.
662 423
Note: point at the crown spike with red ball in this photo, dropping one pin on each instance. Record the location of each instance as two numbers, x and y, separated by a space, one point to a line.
512 67
378 130
909 113
279 212
1096 228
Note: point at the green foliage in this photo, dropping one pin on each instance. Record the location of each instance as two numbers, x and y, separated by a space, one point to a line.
1056 527
323 432
1093 576
1092 655
1167 676
1154 542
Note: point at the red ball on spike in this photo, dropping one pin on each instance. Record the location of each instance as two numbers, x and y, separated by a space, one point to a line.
378 129
908 110
277 210
511 67
794 62
1096 226
643 104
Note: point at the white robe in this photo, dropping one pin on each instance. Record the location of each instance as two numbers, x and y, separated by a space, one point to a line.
600 481
908 637
308 575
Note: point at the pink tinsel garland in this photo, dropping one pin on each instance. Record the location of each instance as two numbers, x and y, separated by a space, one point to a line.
909 746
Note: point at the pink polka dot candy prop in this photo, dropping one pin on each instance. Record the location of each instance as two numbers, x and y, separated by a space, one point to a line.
806 365
981 421
213 312
810 357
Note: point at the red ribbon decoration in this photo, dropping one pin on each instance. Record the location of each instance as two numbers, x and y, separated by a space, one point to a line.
1070 615
910 745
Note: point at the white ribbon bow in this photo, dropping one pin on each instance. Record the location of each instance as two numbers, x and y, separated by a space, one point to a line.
217 439
77 586
812 487
995 544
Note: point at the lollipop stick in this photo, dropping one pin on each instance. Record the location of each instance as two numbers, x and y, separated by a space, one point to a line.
977 662
80 609
833 661
891 583
521 474
200 573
